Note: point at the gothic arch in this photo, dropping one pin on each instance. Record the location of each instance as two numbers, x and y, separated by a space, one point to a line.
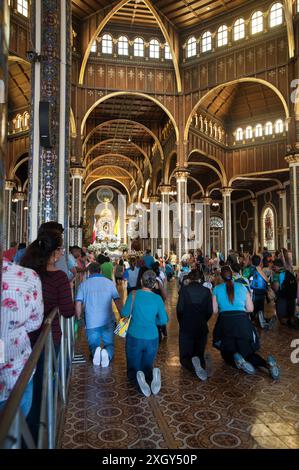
120 156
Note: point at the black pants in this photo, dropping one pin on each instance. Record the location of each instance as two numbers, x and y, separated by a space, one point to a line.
258 299
253 358
285 308
190 346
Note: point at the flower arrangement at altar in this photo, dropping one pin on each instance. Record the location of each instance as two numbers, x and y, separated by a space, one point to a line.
107 246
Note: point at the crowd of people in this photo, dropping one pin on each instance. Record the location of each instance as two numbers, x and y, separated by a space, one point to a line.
235 291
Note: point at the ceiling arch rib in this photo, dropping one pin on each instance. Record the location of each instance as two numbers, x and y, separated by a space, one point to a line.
118 173
134 124
109 179
172 39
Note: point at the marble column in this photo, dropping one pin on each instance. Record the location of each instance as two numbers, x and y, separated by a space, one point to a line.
76 213
20 198
293 161
254 203
154 223
227 219
206 202
283 219
182 203
9 186
51 82
165 224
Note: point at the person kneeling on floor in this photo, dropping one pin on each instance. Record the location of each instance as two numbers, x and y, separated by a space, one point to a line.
97 294
234 334
142 340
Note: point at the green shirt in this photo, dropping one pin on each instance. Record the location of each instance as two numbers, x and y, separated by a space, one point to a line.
107 270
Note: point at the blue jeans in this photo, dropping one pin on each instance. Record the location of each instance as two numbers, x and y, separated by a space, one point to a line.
26 400
104 333
141 354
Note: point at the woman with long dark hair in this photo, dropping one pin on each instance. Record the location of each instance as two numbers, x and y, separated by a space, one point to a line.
234 334
42 256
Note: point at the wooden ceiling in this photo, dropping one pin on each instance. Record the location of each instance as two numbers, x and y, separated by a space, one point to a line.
181 14
246 100
19 87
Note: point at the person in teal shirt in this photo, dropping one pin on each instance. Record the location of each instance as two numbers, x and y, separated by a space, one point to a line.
148 259
142 340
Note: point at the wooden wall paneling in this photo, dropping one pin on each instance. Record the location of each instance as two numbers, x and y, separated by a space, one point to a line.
160 81
90 75
230 61
221 70
283 83
282 50
250 61
169 81
212 75
100 75
271 53
121 77
131 80
111 76
240 63
194 78
260 57
187 80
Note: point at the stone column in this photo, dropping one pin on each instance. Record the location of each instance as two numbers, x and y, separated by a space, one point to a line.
293 161
51 82
20 198
9 186
283 218
165 228
254 203
154 235
206 202
227 219
182 200
76 216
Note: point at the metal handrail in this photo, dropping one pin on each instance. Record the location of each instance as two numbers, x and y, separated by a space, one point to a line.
13 425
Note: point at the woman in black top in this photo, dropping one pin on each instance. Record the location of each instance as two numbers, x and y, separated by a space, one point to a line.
194 310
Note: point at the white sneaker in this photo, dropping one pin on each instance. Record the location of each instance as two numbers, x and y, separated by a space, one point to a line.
200 372
156 382
97 357
104 358
262 321
143 384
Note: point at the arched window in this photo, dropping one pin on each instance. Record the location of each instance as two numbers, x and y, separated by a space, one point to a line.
191 47
257 22
268 221
248 132
94 47
167 53
216 222
154 49
222 36
269 128
138 47
18 122
276 15
22 7
206 42
239 134
107 44
123 45
239 29
26 120
258 130
279 126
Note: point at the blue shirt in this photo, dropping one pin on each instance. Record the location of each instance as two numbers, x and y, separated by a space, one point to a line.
149 261
97 293
19 255
131 275
224 304
148 312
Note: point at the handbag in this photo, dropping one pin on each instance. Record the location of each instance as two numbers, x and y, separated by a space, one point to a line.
124 323
271 294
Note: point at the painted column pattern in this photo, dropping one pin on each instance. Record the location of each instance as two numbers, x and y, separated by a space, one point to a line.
9 186
182 200
206 202
293 162
283 219
19 236
76 225
227 219
165 234
254 203
49 168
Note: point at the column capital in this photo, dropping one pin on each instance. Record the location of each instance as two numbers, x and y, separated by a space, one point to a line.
281 193
206 201
292 160
154 199
254 201
20 196
165 189
226 191
9 185
77 171
182 174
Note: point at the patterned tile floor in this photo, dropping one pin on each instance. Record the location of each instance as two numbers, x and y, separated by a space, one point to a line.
230 410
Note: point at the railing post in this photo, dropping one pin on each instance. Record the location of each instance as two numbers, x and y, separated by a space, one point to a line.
50 392
63 361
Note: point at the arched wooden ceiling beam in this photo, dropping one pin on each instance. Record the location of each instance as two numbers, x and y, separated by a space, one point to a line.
197 183
130 93
89 193
111 167
121 157
246 178
233 82
15 168
111 178
264 174
103 142
112 121
207 165
167 165
107 18
219 162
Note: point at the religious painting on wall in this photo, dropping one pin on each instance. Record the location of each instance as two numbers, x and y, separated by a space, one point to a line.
269 229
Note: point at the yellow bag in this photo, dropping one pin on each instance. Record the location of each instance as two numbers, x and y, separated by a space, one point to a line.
124 323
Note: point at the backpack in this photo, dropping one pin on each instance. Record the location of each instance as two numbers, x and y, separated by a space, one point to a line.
258 282
288 288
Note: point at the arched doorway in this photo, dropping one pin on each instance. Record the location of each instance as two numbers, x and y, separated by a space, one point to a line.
216 233
269 228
